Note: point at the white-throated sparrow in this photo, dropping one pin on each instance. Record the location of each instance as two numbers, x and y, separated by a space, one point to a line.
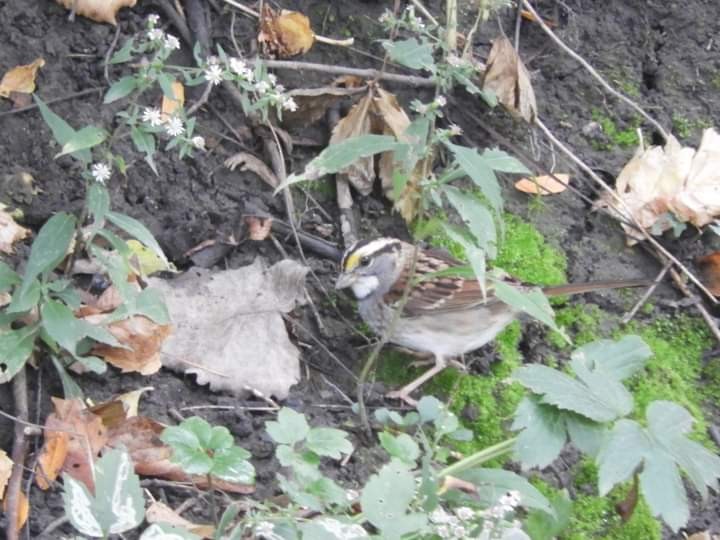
443 315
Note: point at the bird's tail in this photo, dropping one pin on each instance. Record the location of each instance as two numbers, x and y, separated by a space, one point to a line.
577 288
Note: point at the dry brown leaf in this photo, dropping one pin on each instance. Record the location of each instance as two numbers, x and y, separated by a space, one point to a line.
10 232
508 79
313 103
52 457
86 437
361 174
543 185
23 510
6 466
248 162
158 512
142 336
702 535
709 266
284 34
451 482
258 227
20 79
171 105
97 10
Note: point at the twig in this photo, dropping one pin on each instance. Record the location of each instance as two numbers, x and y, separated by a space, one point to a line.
365 73
81 93
320 344
59 522
422 9
518 25
202 100
311 243
451 34
650 290
593 72
14 493
624 206
108 54
177 21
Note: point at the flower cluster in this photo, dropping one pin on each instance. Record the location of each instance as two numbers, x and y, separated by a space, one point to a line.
408 20
465 522
158 38
342 531
266 531
433 107
447 525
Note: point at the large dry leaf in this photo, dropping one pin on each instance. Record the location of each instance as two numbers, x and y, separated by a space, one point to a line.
158 512
10 232
284 34
313 103
248 162
86 436
20 79
97 10
361 174
663 185
543 185
140 436
229 329
142 336
52 458
508 79
6 466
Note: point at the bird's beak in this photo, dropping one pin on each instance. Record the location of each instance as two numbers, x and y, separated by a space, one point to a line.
344 281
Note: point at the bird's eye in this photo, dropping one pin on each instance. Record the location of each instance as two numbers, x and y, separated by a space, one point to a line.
365 261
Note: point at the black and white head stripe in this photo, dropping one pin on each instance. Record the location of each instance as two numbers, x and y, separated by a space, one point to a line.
367 248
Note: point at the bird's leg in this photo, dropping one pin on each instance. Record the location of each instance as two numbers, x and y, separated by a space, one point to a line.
405 391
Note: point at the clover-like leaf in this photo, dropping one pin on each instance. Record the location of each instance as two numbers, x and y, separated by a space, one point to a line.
328 442
290 428
401 446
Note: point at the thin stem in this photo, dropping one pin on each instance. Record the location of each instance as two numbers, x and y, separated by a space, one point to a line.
211 493
478 458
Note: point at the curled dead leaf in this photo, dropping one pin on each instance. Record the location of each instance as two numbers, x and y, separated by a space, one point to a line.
20 79
97 10
258 227
313 103
508 79
52 458
284 34
142 336
543 185
451 482
248 162
10 232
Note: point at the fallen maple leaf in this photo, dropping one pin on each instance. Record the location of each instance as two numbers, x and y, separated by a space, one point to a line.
20 79
6 466
10 232
284 34
97 10
543 185
508 79
142 336
52 458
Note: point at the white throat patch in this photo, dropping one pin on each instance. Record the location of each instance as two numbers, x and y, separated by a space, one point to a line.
364 286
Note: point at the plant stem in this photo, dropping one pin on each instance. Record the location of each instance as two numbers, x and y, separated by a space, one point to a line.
211 492
478 458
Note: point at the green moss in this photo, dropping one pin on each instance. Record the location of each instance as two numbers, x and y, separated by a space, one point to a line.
581 321
684 127
624 138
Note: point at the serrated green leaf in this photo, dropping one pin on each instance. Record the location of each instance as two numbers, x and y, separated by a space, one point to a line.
504 162
533 302
624 449
231 464
477 218
120 89
558 389
86 138
8 277
61 130
543 434
328 442
411 53
494 483
542 526
480 172
220 438
402 447
16 346
663 490
613 391
124 53
290 428
386 498
619 359
586 435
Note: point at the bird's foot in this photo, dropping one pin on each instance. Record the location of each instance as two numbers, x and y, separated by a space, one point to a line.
402 395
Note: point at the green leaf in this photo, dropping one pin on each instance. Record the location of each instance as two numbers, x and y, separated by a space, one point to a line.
138 231
411 53
166 80
98 203
477 217
622 453
86 138
49 248
71 389
63 327
16 346
586 435
474 254
340 155
480 172
124 54
533 302
542 526
663 490
429 408
386 498
402 447
118 504
150 303
232 465
165 531
227 519
290 428
613 390
8 277
120 89
143 141
618 359
494 483
61 130
502 161
25 299
328 442
543 434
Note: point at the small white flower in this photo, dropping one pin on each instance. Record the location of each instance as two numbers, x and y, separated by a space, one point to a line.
100 172
248 75
171 42
458 531
153 19
386 17
465 513
439 515
272 78
153 116
213 74
198 142
174 127
237 65
352 495
155 34
289 104
440 101
279 88
261 87
443 531
213 60
455 130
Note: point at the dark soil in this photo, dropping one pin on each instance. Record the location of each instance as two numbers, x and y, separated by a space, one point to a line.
665 53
